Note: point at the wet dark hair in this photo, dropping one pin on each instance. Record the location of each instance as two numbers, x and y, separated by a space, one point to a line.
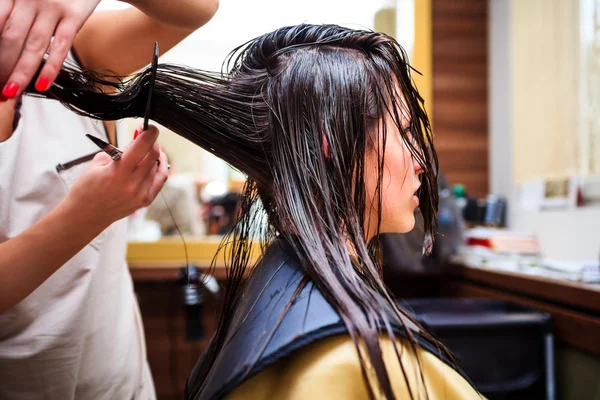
285 95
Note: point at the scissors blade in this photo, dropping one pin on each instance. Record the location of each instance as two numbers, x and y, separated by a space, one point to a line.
151 86
112 151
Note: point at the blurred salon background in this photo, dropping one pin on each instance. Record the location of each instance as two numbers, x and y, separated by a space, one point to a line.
513 287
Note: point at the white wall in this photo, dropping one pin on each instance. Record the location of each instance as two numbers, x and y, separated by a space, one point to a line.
564 235
500 137
238 21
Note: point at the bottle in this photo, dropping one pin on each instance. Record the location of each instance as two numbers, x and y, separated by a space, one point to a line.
460 195
494 211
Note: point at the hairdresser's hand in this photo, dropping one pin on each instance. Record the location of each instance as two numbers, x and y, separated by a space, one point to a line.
26 28
114 189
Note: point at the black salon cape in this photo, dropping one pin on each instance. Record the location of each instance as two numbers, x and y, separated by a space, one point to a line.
249 347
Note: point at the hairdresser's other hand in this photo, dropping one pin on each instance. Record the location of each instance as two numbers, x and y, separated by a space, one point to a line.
26 28
115 189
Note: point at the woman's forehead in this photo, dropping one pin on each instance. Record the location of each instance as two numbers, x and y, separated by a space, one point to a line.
400 107
399 114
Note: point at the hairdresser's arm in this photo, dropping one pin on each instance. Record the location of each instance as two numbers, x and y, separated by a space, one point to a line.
106 192
122 41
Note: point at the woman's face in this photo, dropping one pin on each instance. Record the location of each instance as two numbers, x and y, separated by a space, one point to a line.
399 184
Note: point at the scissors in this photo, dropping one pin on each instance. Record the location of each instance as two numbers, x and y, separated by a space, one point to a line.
113 151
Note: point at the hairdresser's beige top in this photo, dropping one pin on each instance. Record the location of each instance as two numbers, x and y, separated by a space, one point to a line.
79 335
330 369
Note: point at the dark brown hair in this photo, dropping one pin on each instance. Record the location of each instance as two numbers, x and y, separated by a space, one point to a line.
284 95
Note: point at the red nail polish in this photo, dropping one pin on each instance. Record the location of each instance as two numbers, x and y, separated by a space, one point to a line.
41 84
10 90
136 133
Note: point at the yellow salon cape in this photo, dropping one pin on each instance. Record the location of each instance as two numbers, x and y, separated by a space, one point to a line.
330 369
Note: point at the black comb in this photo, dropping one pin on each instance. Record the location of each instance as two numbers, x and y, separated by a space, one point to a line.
151 87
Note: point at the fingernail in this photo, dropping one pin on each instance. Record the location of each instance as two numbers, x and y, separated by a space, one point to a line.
10 90
42 84
136 133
